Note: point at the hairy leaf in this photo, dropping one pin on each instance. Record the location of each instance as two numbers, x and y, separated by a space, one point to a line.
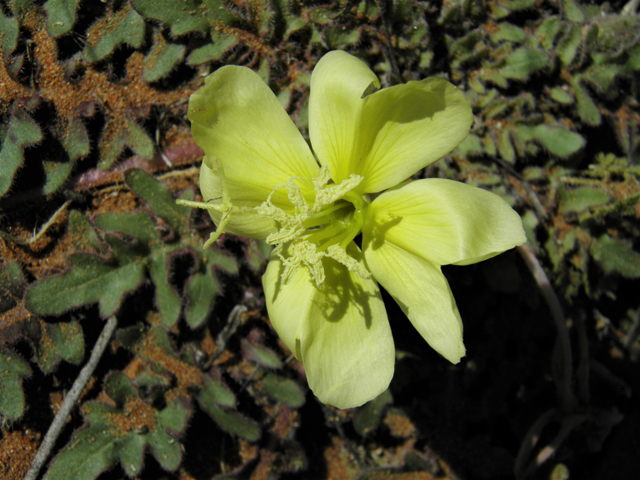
19 132
13 369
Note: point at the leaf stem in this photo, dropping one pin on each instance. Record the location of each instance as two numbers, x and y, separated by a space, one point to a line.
70 400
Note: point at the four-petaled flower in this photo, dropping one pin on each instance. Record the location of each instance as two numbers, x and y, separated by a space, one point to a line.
260 179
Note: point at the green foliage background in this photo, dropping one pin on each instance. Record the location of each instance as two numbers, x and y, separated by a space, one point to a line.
95 148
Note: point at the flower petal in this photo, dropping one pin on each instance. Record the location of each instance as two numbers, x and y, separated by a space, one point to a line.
406 127
248 224
338 82
340 333
445 222
423 294
237 120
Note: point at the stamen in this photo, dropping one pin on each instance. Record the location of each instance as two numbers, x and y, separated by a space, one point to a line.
225 207
316 231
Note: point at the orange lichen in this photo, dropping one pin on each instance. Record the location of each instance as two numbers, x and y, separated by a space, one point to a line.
399 425
340 465
286 423
17 450
121 101
138 416
186 375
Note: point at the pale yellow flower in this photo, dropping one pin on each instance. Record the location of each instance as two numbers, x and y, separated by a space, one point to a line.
260 179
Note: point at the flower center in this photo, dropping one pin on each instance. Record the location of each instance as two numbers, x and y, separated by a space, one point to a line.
338 223
308 233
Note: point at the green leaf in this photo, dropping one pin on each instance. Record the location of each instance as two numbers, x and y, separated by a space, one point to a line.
9 37
90 280
524 62
77 145
60 341
157 196
168 300
368 417
260 354
616 256
233 422
557 140
587 109
139 141
162 58
109 438
470 146
602 78
13 369
90 452
341 36
508 32
561 96
215 392
572 11
568 45
140 244
61 16
256 253
183 17
119 133
19 133
135 224
215 51
547 32
119 387
12 285
83 234
125 27
130 450
505 147
580 199
283 390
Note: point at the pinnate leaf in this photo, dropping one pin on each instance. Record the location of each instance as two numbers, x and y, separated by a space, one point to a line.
121 434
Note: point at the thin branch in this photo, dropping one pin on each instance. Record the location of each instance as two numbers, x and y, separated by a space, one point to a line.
633 333
42 230
70 400
549 294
